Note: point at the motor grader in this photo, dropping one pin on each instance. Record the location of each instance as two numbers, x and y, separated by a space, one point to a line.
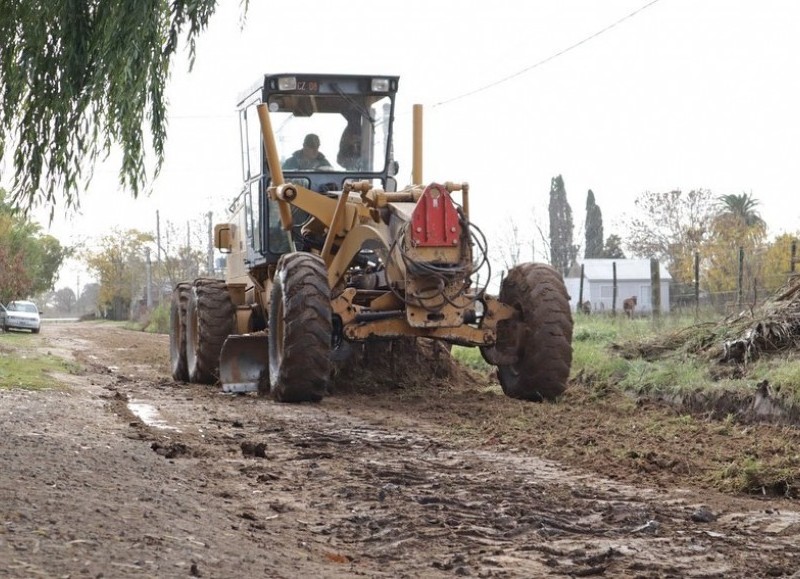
324 254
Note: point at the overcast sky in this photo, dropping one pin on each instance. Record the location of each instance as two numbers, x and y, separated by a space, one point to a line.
684 94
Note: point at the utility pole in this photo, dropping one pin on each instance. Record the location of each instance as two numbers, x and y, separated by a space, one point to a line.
158 238
149 280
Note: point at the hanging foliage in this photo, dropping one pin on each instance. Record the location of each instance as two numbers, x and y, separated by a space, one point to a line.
80 76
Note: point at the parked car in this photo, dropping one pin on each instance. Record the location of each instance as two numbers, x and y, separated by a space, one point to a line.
22 315
2 317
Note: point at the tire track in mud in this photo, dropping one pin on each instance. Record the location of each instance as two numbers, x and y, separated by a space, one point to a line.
407 500
364 499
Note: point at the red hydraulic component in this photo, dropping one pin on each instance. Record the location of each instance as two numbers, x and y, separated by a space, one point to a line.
434 222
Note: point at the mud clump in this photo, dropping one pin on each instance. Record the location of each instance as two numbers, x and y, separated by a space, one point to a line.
172 450
406 363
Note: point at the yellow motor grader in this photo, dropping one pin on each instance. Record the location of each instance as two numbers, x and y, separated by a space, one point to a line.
324 251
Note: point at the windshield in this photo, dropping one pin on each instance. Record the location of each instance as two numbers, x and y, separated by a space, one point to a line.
331 132
22 307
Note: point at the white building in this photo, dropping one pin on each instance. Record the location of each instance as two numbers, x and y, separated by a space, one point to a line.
633 279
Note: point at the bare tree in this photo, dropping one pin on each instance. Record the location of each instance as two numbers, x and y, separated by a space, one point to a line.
671 227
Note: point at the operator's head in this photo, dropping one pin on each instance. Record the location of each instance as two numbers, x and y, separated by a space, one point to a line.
311 142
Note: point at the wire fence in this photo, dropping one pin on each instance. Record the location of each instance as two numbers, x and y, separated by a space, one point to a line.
746 286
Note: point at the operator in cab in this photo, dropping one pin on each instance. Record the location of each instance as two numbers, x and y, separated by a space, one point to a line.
308 158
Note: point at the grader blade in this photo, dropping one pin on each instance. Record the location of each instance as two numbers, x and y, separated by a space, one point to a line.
244 363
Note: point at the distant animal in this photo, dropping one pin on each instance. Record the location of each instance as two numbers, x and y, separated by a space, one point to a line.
629 305
585 307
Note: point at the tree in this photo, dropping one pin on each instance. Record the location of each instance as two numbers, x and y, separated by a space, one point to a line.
613 248
183 255
515 242
14 279
78 76
89 300
562 251
735 227
741 208
671 227
594 228
777 261
29 261
65 300
120 267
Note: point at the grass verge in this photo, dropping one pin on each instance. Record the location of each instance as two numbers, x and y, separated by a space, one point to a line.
23 367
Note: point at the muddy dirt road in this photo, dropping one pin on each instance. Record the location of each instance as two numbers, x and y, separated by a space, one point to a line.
123 473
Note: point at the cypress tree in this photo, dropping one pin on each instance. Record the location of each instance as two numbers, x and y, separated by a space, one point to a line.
562 250
594 228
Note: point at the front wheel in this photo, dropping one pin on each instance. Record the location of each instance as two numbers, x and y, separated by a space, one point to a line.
300 329
543 333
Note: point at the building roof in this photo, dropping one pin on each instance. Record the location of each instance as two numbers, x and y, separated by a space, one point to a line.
627 269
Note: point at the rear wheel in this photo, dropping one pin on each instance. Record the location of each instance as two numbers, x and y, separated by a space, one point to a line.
210 317
300 328
177 331
543 333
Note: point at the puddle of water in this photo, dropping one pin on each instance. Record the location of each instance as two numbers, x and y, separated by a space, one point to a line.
148 414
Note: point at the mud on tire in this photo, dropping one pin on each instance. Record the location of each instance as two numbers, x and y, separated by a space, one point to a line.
177 331
210 318
544 345
300 327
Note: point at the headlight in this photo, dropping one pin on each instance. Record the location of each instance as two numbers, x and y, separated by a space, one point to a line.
287 83
380 85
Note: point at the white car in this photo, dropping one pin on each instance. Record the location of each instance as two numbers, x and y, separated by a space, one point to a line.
22 315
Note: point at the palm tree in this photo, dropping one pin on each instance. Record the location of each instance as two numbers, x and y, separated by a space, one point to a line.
741 207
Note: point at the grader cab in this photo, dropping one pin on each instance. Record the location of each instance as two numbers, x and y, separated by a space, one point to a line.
324 251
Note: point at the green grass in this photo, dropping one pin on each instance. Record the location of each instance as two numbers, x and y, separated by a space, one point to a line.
21 366
591 361
659 359
751 475
471 358
608 351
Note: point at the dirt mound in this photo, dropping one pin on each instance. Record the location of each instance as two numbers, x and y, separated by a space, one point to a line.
729 347
754 332
398 364
774 327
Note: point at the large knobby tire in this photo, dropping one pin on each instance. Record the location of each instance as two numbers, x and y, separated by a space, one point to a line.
177 331
210 319
545 341
300 328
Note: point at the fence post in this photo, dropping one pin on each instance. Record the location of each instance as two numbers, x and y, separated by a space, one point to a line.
614 288
794 255
655 288
740 282
580 293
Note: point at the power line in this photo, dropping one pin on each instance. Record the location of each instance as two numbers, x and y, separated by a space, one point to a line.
548 59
